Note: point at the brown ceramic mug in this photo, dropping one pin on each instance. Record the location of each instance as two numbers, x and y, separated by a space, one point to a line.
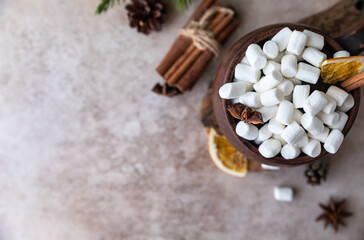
225 74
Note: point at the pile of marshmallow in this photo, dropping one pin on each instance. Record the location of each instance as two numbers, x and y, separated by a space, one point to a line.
296 121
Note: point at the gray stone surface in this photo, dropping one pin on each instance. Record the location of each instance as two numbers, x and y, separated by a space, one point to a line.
88 152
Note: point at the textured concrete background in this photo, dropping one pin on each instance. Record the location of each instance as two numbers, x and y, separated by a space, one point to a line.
88 152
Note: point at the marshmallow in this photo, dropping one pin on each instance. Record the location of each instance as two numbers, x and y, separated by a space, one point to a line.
256 56
279 57
314 39
246 130
246 73
312 124
299 57
307 73
286 87
289 65
270 49
270 148
330 106
295 81
284 194
271 97
271 65
321 137
341 54
292 133
269 81
312 148
232 90
337 94
288 98
300 95
269 167
297 42
315 103
296 116
302 141
275 127
334 141
314 56
348 104
263 134
251 99
248 85
282 38
343 118
328 119
279 138
235 100
268 112
290 152
284 112
245 61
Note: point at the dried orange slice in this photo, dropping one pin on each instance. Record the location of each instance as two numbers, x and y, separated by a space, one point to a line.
225 156
338 69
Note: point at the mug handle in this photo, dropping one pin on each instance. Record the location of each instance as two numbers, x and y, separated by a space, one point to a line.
353 42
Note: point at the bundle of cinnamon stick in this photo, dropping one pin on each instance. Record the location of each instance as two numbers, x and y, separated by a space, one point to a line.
184 62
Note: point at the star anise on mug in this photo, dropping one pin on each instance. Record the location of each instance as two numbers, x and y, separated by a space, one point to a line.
333 214
244 113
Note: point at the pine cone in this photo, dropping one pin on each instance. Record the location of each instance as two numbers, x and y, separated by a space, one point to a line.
316 172
146 15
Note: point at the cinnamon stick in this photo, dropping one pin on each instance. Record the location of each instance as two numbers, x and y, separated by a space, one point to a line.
354 82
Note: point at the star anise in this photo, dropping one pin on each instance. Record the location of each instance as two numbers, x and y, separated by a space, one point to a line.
244 113
333 214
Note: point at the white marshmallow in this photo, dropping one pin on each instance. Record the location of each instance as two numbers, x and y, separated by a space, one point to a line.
314 39
232 90
312 148
271 97
302 141
270 49
282 38
235 100
307 73
297 42
269 81
330 106
246 130
289 65
299 57
275 127
292 133
284 194
296 116
334 141
271 65
245 61
348 104
338 94
246 73
314 56
312 124
279 138
321 137
270 148
300 95
269 167
295 81
328 119
248 85
256 56
286 87
288 98
341 54
315 103
343 118
251 99
284 112
290 152
268 112
279 57
263 134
